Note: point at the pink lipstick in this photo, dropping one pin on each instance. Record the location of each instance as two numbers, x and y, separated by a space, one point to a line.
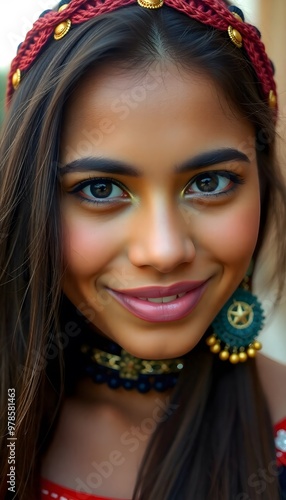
161 304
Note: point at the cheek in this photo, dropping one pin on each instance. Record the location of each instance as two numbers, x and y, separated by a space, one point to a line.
232 237
87 246
241 232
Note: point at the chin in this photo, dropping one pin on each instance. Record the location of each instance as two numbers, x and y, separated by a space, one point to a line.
158 350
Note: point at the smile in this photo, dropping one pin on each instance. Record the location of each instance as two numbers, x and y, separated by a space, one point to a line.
157 304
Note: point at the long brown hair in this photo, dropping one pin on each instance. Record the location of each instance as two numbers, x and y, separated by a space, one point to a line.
220 435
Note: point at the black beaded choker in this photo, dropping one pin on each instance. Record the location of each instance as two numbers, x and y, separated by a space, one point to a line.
117 368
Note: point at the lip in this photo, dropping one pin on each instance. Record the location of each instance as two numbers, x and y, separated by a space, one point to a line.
154 292
161 312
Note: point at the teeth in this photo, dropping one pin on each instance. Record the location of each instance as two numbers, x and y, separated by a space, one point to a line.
170 298
157 299
160 300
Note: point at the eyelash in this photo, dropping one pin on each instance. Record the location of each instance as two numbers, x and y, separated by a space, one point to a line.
234 178
99 180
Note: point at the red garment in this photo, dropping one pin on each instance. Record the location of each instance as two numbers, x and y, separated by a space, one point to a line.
280 442
52 491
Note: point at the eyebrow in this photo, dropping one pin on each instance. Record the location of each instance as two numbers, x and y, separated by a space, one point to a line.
111 166
209 158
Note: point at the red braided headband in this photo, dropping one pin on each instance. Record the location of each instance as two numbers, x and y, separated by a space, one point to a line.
213 13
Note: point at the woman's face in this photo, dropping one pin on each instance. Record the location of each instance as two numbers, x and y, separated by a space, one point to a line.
160 205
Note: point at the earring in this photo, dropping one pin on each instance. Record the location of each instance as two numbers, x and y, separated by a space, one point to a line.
237 325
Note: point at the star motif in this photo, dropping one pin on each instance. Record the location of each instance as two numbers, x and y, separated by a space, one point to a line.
240 314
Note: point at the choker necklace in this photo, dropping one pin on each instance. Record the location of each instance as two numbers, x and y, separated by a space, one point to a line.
117 368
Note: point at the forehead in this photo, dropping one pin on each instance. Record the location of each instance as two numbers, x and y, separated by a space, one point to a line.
157 108
158 79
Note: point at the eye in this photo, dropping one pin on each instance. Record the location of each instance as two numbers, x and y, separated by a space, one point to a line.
213 183
100 191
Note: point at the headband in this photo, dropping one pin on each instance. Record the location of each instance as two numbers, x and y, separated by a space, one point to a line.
214 13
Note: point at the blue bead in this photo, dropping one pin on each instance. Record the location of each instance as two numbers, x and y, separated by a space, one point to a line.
63 2
114 383
159 386
143 387
237 10
99 378
128 384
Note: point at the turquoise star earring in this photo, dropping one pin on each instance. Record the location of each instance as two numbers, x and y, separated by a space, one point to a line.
237 325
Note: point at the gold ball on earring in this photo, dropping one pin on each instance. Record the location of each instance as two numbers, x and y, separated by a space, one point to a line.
257 345
251 352
215 348
224 355
211 340
234 358
242 356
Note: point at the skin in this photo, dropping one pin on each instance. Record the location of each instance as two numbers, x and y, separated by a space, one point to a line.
158 232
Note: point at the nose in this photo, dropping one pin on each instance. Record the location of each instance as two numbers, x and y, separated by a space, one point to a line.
161 239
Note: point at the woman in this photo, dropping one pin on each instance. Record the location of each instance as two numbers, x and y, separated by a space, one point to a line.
138 179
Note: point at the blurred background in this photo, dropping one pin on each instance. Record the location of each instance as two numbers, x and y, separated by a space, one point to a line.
17 16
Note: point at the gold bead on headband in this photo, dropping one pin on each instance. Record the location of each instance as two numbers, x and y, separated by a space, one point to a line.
272 99
16 79
62 29
234 34
151 4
